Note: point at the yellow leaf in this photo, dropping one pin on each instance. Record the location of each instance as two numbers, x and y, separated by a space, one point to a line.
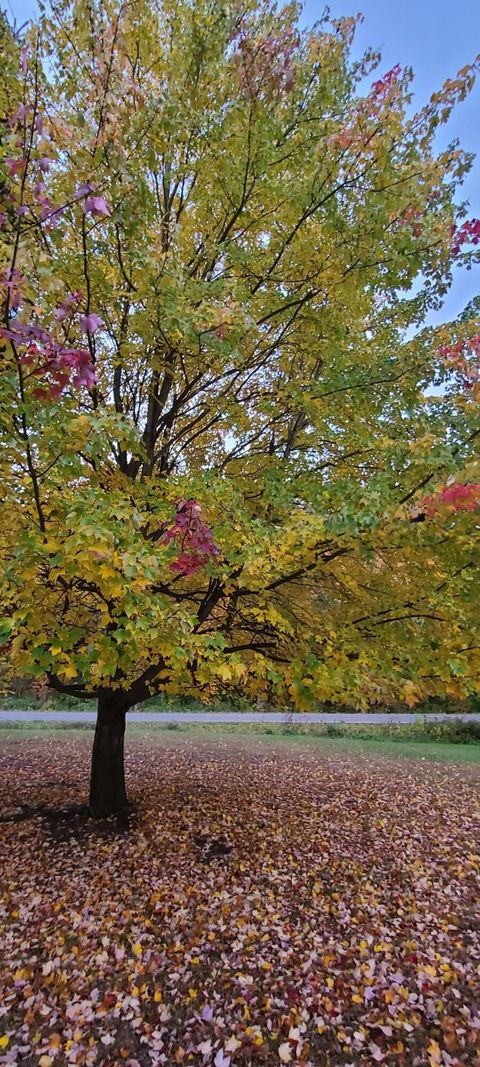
411 694
106 571
68 672
232 1044
4 1041
434 1053
52 545
137 949
225 672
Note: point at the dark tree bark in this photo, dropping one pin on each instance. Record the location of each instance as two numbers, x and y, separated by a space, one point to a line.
108 795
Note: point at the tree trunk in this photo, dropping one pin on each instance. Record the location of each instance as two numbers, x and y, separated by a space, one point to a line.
107 779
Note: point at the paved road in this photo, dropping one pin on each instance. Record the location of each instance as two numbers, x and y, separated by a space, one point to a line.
226 716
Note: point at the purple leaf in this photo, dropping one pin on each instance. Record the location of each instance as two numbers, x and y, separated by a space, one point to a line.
68 304
221 1060
15 166
96 205
90 323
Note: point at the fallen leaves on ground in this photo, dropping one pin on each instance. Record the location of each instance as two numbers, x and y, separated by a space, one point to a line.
260 908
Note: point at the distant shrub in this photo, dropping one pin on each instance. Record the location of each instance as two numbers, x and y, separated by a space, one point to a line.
332 729
455 731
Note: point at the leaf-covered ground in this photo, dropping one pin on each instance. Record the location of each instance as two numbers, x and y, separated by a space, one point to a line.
262 907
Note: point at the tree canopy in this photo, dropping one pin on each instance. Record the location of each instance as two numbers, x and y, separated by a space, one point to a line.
226 461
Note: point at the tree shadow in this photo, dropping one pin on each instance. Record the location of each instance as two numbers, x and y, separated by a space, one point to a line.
74 821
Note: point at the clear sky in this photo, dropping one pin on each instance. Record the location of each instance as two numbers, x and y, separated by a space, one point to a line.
434 37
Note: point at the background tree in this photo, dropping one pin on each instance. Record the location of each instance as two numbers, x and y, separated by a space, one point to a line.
218 430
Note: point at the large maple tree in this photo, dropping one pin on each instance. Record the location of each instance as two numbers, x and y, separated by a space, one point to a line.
224 465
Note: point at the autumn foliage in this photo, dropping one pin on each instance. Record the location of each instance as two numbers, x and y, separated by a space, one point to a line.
218 420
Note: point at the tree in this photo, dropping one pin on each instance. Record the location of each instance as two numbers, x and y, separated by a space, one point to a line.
218 430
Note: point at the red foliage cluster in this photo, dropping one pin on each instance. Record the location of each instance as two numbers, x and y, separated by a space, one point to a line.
410 217
382 87
197 545
468 233
266 64
58 362
51 359
40 205
11 283
358 133
456 497
458 357
33 200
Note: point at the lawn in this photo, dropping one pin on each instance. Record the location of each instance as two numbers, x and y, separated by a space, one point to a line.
272 900
395 741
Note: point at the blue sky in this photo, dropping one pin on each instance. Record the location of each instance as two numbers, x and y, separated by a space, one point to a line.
436 38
